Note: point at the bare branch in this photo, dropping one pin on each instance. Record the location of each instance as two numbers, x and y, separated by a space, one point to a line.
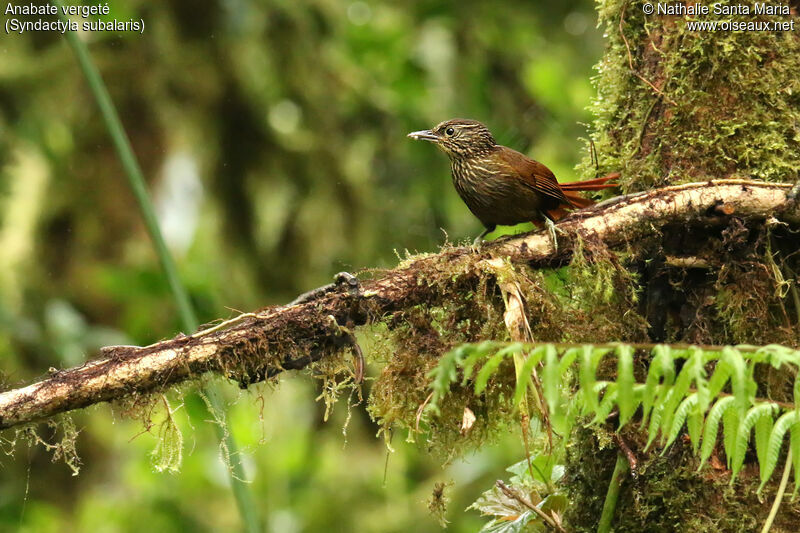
253 346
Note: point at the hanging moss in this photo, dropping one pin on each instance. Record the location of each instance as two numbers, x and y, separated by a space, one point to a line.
468 309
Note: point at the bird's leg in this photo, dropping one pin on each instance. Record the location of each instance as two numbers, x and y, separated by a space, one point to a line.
476 244
552 230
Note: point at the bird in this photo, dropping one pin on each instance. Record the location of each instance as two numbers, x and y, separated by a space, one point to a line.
501 186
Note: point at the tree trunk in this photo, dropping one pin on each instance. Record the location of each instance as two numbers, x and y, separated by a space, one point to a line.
677 105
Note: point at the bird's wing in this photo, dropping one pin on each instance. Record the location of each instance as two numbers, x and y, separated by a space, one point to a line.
533 174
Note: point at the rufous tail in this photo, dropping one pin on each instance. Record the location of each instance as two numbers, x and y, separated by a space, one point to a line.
591 185
576 201
579 202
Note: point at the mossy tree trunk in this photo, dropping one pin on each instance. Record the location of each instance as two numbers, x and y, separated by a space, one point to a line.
675 106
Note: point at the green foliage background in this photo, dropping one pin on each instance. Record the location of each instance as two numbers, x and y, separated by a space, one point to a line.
273 137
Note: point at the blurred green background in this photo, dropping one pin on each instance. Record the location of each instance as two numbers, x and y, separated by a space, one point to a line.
273 137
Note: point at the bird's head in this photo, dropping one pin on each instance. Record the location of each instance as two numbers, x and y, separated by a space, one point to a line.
458 137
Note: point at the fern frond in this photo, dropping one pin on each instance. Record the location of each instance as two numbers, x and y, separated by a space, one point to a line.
697 363
661 366
689 403
607 405
489 368
625 397
567 360
730 430
446 372
778 355
694 425
469 362
786 422
711 428
720 377
551 380
743 435
525 375
796 392
763 428
590 358
738 368
794 443
670 400
654 426
691 372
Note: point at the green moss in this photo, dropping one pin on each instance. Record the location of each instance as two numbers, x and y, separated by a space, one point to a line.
601 297
676 106
581 302
726 104
468 308
666 493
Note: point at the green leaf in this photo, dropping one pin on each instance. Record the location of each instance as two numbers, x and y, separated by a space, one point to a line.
489 368
719 378
690 372
494 502
711 428
779 355
662 365
607 405
694 424
590 358
469 362
680 417
544 469
730 429
566 360
794 443
697 361
551 380
518 525
743 435
525 375
654 426
445 373
738 369
625 396
763 428
797 391
776 437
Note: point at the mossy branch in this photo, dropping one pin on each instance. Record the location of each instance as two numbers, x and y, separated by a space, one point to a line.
256 346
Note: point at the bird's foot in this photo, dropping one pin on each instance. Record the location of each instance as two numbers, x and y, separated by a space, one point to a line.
552 229
477 244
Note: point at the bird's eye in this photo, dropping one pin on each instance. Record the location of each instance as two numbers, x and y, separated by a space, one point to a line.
449 131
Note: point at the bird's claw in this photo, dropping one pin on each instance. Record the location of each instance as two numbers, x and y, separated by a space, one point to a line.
477 244
552 229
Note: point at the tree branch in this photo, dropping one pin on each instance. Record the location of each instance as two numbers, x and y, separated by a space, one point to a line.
261 344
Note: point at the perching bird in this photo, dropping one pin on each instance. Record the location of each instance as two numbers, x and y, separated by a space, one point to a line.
501 186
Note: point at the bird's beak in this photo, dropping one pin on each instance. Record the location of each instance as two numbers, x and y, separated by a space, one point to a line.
424 135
